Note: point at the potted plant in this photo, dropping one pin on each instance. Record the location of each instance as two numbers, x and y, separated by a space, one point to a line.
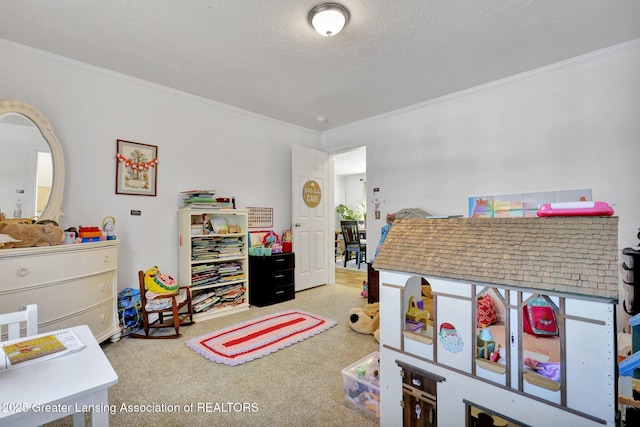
346 213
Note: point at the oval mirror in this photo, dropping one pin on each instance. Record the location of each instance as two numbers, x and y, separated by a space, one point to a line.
32 164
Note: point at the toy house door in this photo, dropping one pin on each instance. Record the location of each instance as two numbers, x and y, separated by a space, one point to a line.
419 410
419 391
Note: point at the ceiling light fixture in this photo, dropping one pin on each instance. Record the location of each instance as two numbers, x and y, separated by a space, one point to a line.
328 19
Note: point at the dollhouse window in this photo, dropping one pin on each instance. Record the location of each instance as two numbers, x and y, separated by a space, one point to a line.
491 332
541 342
478 416
419 311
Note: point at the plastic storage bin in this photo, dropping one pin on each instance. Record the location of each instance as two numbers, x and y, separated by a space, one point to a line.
129 310
362 384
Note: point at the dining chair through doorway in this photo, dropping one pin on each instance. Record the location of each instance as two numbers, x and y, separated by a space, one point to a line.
352 243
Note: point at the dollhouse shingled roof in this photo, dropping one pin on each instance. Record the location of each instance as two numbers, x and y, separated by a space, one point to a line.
567 255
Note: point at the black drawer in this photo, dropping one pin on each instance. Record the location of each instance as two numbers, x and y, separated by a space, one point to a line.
271 279
270 296
279 278
283 261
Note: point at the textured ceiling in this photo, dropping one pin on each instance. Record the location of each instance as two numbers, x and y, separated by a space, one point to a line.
263 56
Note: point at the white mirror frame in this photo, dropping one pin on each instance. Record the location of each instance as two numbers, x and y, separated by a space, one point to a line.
52 210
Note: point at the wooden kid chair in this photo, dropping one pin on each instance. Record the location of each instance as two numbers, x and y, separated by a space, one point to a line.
12 321
174 311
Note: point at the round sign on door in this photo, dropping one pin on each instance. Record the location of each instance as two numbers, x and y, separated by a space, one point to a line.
311 193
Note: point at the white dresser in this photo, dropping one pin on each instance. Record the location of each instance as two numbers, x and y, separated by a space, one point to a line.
72 285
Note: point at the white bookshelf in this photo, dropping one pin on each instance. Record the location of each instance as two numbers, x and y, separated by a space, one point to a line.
213 262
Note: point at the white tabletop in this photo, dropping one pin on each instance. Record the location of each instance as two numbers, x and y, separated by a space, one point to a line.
63 382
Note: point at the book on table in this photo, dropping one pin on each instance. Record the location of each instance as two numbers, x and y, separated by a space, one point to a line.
37 348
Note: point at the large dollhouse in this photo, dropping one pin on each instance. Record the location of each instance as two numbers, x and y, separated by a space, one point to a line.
507 321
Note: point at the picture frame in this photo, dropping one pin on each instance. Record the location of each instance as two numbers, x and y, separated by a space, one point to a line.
136 168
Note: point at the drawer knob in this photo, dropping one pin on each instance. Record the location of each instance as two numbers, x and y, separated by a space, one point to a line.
23 271
103 287
103 318
107 258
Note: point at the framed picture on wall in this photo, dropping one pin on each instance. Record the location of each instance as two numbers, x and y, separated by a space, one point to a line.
136 168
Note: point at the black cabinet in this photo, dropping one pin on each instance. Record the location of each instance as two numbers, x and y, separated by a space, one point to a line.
271 279
630 267
373 284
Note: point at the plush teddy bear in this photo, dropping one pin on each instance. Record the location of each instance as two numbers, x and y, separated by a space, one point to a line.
366 320
427 299
29 235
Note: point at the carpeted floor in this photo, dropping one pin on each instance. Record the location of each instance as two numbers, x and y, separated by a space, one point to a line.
300 385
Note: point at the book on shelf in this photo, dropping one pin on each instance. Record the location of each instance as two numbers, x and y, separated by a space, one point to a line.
198 192
211 300
38 348
206 199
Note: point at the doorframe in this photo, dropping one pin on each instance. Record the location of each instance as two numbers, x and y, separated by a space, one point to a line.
331 195
331 219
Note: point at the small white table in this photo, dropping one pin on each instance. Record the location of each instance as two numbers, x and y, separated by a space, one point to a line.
67 385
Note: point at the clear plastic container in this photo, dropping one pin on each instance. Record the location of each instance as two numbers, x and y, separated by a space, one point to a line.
362 384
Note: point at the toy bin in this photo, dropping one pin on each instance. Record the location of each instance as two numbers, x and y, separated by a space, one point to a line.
129 310
362 384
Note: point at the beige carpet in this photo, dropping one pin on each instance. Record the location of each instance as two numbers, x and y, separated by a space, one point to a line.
298 386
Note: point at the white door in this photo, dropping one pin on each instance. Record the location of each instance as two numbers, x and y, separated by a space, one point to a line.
310 223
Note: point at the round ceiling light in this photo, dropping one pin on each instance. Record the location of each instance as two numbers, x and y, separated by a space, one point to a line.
328 19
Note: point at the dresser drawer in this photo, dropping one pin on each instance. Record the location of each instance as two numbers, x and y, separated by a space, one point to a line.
47 267
58 300
101 320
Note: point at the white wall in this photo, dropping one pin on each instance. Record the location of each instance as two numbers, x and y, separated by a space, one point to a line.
573 125
568 126
350 190
200 144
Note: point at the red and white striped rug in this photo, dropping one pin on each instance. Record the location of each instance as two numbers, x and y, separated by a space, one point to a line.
260 337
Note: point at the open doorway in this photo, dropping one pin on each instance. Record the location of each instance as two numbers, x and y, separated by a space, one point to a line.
350 204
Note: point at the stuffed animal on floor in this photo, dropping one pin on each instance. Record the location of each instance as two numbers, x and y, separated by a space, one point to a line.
28 235
366 320
158 283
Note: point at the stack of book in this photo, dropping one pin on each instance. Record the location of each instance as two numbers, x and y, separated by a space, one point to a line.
204 274
205 199
204 248
209 274
229 295
215 247
219 297
204 301
231 271
229 248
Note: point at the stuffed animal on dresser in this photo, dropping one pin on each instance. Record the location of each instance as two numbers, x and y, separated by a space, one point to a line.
28 235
